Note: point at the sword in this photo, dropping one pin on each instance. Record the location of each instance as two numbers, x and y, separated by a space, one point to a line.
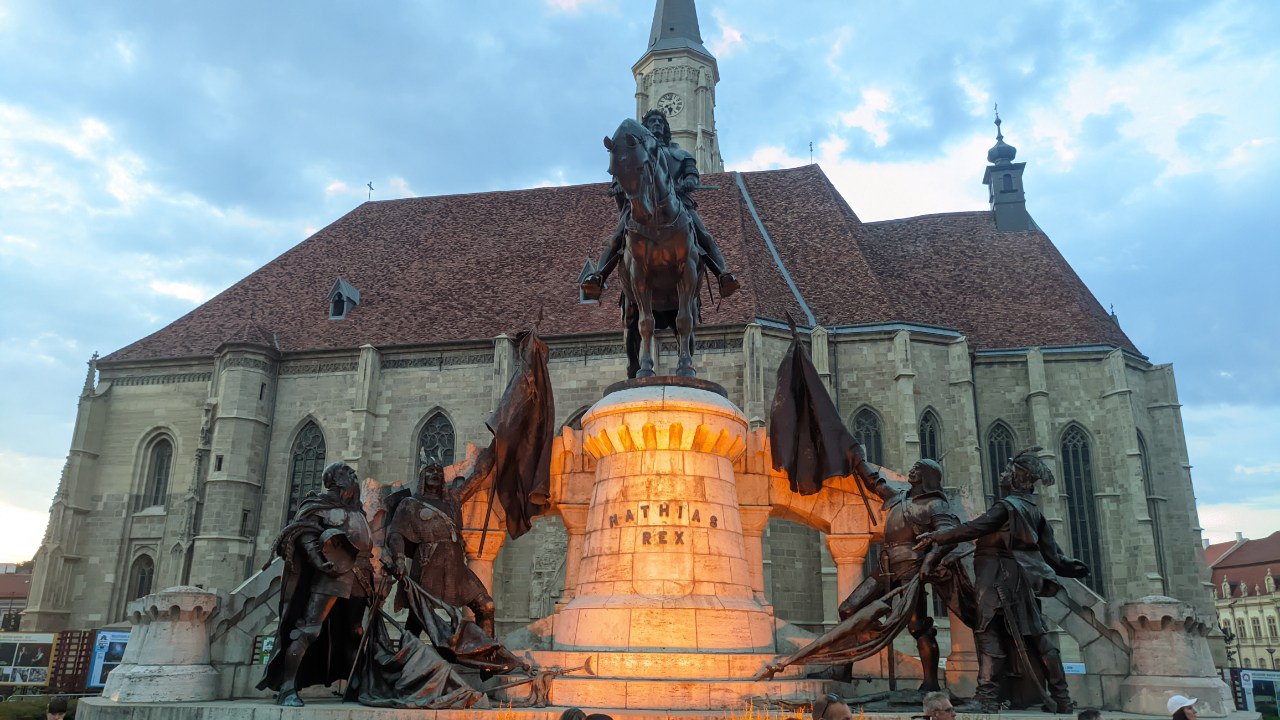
1020 645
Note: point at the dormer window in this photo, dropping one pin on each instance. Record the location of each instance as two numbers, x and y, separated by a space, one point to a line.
342 298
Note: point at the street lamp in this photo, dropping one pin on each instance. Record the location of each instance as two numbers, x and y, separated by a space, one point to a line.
1272 652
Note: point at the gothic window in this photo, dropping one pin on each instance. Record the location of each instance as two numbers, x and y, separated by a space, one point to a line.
866 430
1082 512
436 440
307 466
1154 507
156 483
1007 183
1000 442
930 436
141 577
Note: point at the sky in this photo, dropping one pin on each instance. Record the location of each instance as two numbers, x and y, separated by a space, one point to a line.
152 154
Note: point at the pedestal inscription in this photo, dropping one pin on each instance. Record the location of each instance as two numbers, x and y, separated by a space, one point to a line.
664 564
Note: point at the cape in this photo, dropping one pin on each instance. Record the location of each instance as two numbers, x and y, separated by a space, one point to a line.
523 427
332 655
808 438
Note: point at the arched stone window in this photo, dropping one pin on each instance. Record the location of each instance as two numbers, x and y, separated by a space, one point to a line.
307 466
141 577
1082 512
436 440
1248 664
155 486
866 430
930 436
1000 444
1154 510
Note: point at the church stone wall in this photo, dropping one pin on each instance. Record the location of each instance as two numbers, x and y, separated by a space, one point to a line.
115 531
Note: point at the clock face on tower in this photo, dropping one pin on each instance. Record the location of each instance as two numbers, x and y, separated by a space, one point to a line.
671 104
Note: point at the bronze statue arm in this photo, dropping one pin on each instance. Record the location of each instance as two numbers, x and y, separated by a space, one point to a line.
985 524
464 487
1055 558
309 541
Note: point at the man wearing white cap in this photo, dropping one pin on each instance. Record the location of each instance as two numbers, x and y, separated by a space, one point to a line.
1182 707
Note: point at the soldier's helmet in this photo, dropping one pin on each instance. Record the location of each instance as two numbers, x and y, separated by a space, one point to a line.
930 474
340 477
431 472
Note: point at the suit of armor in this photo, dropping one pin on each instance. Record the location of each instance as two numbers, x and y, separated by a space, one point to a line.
682 168
910 511
326 587
425 541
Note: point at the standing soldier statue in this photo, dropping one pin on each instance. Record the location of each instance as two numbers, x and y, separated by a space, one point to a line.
920 507
326 587
425 543
1015 562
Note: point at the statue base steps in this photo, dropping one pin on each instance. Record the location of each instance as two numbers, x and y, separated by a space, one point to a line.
98 708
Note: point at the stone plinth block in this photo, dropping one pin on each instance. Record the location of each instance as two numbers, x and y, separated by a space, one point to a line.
664 565
1170 655
167 659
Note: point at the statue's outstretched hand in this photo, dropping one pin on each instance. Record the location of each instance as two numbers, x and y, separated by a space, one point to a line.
1076 569
924 541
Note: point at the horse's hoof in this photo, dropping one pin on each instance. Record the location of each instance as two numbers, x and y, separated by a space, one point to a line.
687 372
645 374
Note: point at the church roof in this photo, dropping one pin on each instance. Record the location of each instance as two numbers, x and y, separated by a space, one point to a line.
470 267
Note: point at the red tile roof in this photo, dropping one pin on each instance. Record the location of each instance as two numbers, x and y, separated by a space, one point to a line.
465 267
1247 564
15 585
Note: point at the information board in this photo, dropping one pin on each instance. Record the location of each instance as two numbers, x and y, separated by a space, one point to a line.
108 649
26 658
1261 690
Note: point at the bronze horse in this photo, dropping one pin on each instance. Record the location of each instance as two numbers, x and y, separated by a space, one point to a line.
660 265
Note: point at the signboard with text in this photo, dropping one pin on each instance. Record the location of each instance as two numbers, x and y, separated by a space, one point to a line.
108 649
26 658
1261 691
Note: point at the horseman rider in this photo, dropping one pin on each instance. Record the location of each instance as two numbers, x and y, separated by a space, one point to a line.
683 171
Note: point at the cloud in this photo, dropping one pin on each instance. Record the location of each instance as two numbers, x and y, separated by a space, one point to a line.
1268 469
570 5
24 529
730 38
882 190
1256 519
869 115
192 293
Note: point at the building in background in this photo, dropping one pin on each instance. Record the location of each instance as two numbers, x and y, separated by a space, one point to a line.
1244 591
15 586
962 337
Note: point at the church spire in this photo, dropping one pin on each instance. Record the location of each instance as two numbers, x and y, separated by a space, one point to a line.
675 27
678 75
1003 179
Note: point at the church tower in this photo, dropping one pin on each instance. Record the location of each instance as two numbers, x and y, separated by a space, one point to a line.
1003 178
678 75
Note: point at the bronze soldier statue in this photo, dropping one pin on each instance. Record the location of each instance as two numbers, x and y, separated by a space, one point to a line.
327 585
1015 562
683 170
424 541
920 507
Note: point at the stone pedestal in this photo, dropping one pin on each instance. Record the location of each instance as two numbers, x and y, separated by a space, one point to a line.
167 659
1170 655
664 565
